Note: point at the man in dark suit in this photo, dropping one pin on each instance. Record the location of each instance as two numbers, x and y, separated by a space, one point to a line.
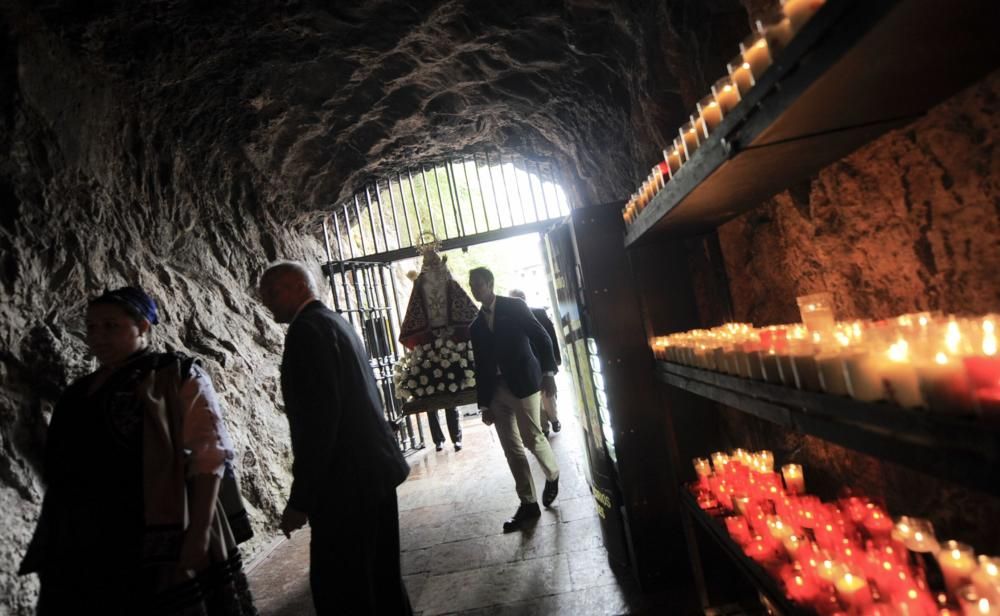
550 413
346 461
509 382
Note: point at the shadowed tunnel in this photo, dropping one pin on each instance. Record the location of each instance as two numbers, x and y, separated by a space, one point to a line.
183 145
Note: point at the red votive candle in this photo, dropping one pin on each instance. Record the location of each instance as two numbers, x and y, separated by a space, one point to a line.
809 508
801 589
913 601
738 529
765 550
855 507
787 507
983 371
828 535
665 171
853 590
706 501
878 525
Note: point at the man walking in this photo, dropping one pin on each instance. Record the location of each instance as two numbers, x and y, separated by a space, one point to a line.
509 378
550 413
346 461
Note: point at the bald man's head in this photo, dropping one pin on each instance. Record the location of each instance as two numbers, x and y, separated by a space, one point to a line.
284 287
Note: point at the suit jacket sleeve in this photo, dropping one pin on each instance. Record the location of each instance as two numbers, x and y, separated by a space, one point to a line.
537 335
314 413
478 363
551 331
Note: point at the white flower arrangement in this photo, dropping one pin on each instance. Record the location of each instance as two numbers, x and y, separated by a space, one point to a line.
435 367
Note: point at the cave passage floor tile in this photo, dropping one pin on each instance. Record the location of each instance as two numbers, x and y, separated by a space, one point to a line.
456 559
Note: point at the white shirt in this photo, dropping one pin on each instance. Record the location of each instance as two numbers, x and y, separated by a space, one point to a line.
489 311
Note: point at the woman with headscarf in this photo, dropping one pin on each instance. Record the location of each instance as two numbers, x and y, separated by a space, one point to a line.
134 460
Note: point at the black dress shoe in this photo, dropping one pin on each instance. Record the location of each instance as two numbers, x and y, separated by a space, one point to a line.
550 492
556 426
439 446
525 512
458 445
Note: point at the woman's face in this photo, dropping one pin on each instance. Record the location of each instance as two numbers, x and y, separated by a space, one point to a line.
112 334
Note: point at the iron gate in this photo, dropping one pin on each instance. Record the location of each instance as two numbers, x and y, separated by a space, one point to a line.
365 294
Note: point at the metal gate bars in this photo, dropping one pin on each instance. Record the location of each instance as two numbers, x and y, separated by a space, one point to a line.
365 294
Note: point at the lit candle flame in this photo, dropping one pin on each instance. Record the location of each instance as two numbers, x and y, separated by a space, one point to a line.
989 338
992 570
941 359
899 351
952 337
984 606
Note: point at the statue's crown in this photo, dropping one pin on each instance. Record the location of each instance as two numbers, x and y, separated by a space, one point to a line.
427 242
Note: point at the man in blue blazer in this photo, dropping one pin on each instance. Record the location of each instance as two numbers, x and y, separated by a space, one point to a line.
509 380
347 463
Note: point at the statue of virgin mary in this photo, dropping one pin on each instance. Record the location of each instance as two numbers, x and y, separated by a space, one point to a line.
438 308
435 332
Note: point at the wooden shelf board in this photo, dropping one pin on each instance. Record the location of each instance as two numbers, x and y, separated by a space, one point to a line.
958 449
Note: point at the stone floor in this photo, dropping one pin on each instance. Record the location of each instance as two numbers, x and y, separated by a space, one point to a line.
455 558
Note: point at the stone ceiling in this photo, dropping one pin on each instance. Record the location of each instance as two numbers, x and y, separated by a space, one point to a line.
317 99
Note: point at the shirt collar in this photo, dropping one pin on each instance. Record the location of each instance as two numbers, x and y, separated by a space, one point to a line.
301 306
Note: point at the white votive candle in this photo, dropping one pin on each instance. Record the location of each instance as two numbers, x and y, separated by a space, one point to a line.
799 12
862 376
831 373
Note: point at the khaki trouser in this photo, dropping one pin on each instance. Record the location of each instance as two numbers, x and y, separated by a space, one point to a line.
517 423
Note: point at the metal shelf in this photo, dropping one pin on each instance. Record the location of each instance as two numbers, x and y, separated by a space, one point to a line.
759 577
958 449
855 71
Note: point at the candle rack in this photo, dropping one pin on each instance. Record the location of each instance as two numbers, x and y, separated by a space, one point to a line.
854 71
754 573
961 450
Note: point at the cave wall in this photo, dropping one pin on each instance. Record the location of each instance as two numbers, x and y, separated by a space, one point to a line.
909 222
181 146
99 190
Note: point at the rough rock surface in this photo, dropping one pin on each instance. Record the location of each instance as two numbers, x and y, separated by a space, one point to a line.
181 145
909 222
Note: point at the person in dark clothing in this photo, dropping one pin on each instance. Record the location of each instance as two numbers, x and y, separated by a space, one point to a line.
550 412
454 428
137 458
347 463
509 382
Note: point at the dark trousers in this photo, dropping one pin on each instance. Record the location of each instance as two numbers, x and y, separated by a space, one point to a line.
354 560
454 425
